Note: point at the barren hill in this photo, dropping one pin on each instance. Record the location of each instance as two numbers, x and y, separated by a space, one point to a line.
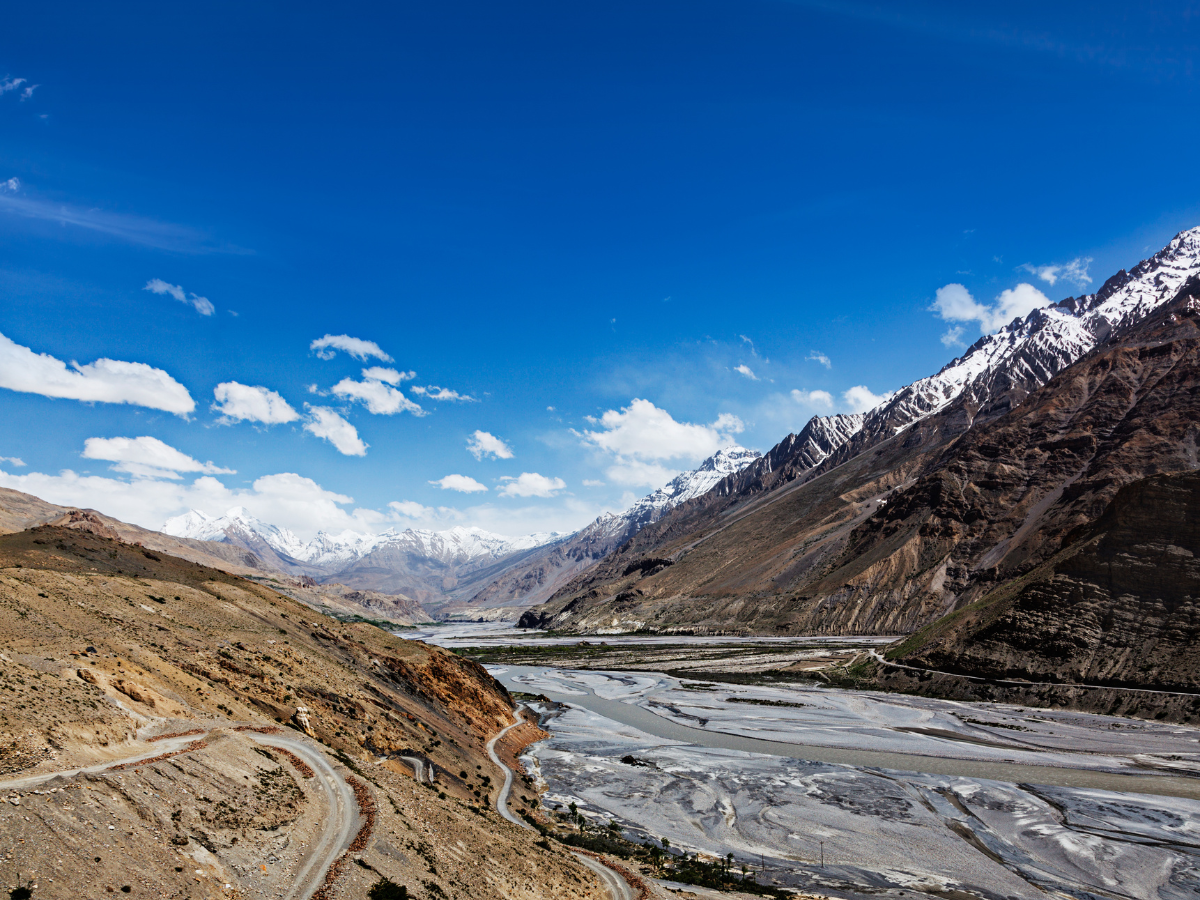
199 685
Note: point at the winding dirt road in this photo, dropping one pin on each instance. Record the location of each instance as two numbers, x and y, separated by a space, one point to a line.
616 886
340 824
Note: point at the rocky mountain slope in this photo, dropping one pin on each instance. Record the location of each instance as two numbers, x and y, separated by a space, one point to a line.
545 571
113 652
849 545
1118 604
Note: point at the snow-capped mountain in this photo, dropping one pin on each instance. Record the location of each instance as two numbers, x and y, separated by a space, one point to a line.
335 552
544 571
1028 352
682 487
995 373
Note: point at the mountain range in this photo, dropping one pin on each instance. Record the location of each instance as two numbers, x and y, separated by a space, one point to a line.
946 495
459 568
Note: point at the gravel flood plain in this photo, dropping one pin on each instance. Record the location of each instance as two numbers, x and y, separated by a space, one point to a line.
882 832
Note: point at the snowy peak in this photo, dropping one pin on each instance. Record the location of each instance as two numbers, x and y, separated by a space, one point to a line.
335 552
1030 350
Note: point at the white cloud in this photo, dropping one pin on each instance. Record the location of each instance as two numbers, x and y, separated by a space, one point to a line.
637 473
11 84
954 303
643 431
12 461
28 92
747 371
327 347
202 305
243 402
433 392
953 337
463 483
813 398
103 381
592 482
380 398
1075 271
327 424
410 509
817 356
146 457
390 376
860 399
12 184
482 444
531 484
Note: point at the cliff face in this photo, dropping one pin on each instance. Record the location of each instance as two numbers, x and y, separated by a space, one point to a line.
925 522
1118 605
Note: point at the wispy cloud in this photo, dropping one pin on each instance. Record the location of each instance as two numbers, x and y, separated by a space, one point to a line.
1075 271
102 381
133 229
12 461
462 483
28 92
744 369
482 444
326 347
8 84
433 392
816 356
202 305
251 403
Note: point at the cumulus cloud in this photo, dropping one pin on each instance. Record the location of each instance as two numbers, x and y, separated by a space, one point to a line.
102 381
747 371
202 305
816 356
12 461
643 431
378 394
327 347
245 403
954 303
1075 271
433 392
531 484
860 399
147 457
327 424
813 398
462 483
642 439
482 444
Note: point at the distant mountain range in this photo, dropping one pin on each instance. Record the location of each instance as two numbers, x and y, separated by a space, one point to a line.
459 567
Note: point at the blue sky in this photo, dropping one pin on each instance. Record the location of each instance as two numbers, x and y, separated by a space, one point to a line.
549 210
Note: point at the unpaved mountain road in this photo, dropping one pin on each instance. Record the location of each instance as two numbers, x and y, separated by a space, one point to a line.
616 886
339 824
